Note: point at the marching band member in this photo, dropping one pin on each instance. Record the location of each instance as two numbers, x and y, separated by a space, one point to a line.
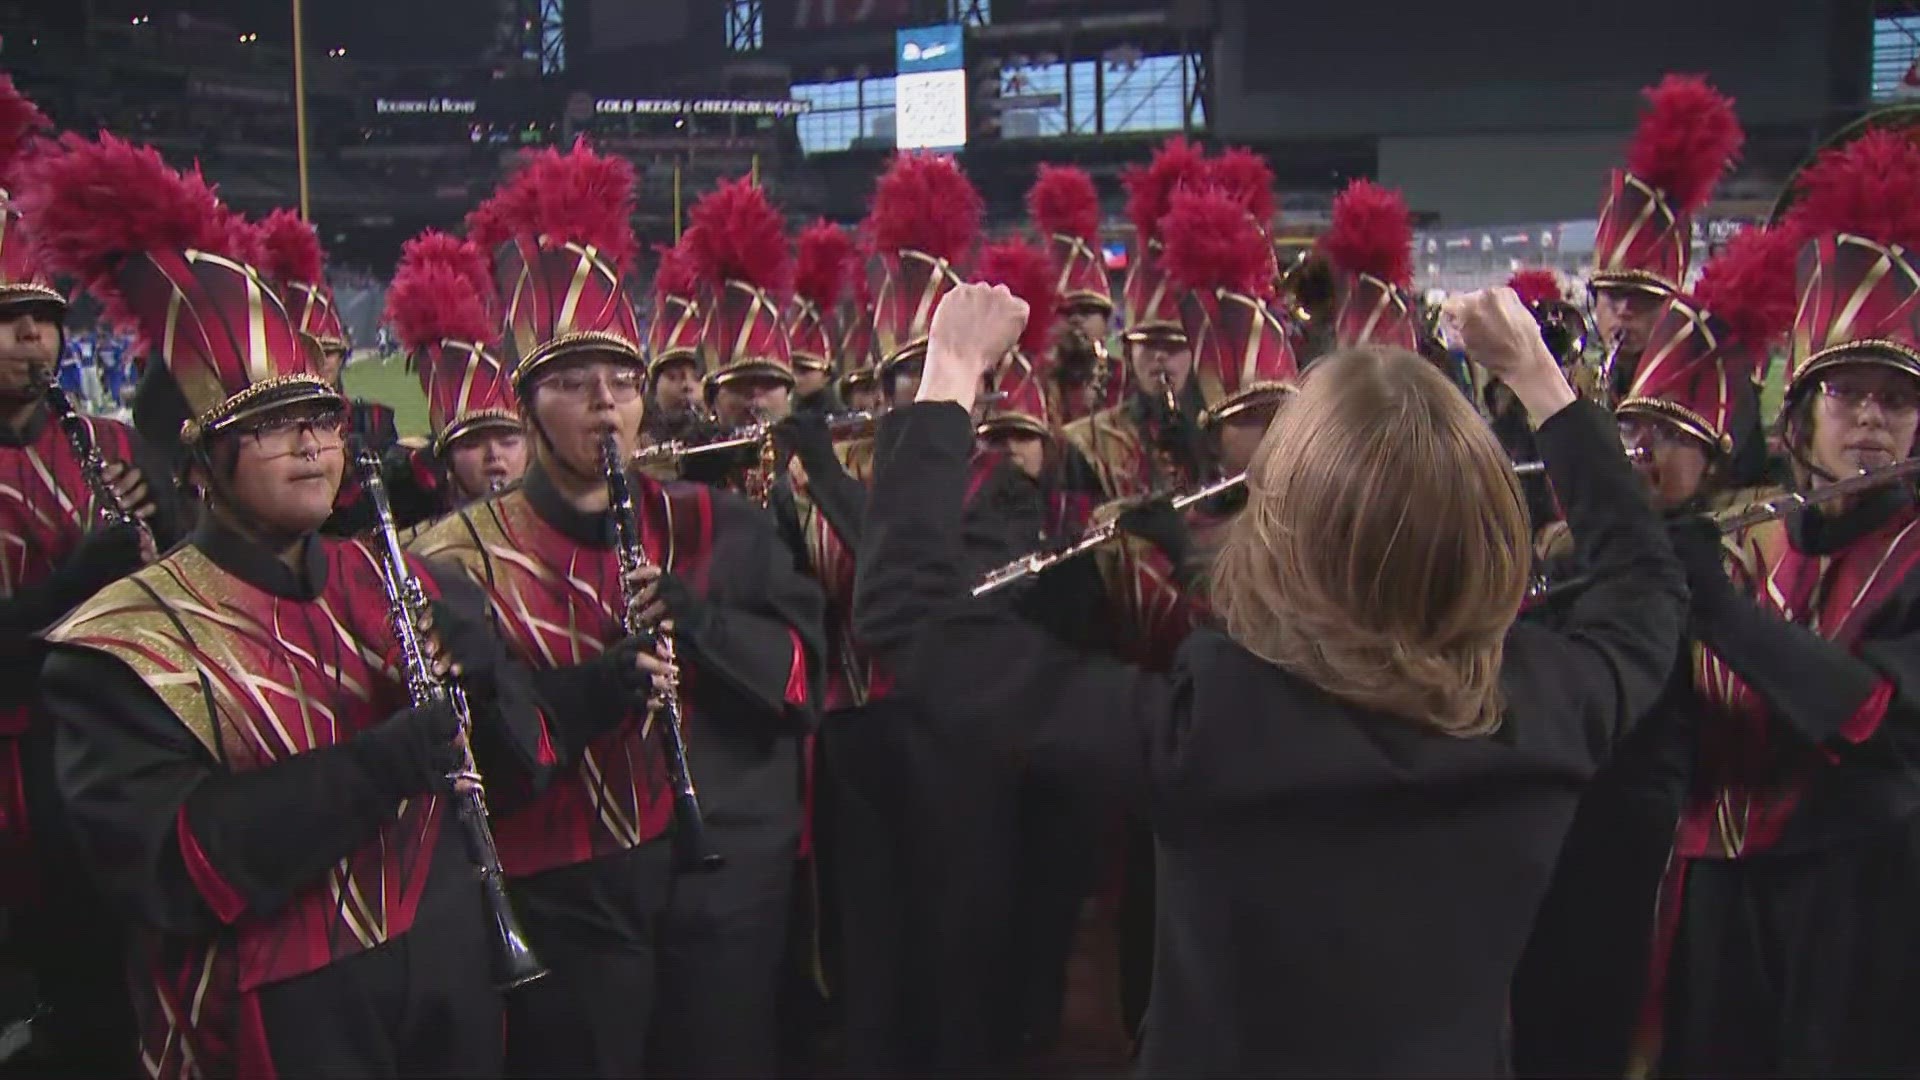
1369 247
1687 137
61 545
675 410
824 259
1577 994
859 388
237 753
1064 207
1371 687
1539 289
736 246
293 262
592 857
1784 944
439 307
1143 445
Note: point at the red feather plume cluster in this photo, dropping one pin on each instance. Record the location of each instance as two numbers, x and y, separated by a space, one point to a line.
737 235
20 121
1211 243
435 295
488 228
1027 272
1535 284
1869 187
446 248
1687 137
1247 177
674 275
1064 202
94 203
1750 287
824 264
925 203
1371 233
1150 187
243 240
579 197
290 249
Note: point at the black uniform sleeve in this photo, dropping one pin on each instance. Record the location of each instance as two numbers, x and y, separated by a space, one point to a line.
143 795
760 631
102 557
983 676
1818 691
169 513
1609 657
510 730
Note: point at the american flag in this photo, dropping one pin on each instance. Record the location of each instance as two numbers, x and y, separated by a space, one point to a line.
828 14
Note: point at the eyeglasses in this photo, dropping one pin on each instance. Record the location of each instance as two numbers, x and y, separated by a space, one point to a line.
1896 398
623 384
1638 432
278 438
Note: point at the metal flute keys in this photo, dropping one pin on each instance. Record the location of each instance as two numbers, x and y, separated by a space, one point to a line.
690 828
1022 568
513 960
92 465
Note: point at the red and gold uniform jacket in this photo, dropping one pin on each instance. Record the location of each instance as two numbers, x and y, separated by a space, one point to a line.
552 582
192 669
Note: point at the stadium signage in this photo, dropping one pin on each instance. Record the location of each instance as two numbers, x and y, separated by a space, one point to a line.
701 106
424 106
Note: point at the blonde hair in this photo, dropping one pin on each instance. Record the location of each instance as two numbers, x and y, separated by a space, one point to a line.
1384 550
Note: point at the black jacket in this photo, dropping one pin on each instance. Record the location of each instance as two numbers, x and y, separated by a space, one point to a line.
1340 892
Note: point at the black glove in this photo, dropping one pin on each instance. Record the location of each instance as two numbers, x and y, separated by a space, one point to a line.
805 435
469 642
410 752
1697 542
584 701
693 617
1158 523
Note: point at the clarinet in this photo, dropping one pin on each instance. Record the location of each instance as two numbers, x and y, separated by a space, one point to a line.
690 829
92 465
513 960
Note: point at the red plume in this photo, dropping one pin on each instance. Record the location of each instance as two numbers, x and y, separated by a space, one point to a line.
674 276
436 295
1150 187
578 197
923 202
1687 137
488 227
95 203
1064 202
20 121
1248 178
290 249
737 235
824 264
434 246
1749 286
1027 272
1211 243
1869 187
1371 233
243 239
1535 284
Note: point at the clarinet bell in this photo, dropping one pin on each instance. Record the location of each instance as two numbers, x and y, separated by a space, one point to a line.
514 963
690 848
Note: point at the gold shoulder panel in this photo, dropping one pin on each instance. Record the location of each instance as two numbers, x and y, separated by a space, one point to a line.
138 620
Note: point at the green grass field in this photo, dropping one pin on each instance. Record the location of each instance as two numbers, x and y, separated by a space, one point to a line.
387 381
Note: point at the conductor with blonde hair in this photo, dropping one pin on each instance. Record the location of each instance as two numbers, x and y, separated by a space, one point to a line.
1358 785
